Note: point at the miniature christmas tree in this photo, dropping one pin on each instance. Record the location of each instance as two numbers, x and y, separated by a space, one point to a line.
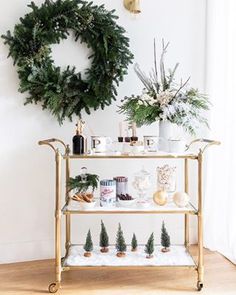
104 240
149 247
134 243
88 247
120 243
165 239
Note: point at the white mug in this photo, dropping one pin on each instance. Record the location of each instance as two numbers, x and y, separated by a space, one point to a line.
101 144
150 143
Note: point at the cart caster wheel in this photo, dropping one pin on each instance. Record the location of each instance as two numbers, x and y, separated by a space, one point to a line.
53 287
199 286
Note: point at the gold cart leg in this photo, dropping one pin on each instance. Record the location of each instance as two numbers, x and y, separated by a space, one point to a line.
68 217
186 216
53 288
68 230
200 268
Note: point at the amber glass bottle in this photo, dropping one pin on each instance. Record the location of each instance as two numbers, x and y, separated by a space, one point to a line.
78 141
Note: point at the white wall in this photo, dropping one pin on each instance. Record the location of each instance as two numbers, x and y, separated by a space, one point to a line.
27 170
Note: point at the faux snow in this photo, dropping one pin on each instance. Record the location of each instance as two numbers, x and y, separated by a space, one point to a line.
178 256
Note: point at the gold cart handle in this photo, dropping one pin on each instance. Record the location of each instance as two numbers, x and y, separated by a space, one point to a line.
51 140
208 143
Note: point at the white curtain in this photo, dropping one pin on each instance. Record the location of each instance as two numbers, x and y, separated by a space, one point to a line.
220 183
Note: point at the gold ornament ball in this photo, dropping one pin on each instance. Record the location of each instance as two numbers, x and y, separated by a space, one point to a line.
181 199
160 197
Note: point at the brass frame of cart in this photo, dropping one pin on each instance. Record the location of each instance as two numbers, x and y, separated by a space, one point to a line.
67 156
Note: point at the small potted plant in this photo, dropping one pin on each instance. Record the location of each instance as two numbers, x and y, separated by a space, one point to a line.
120 243
88 246
84 185
134 243
149 247
165 239
104 239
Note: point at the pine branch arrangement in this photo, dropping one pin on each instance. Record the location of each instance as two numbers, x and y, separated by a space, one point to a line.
134 243
164 100
165 239
88 246
149 247
120 243
83 183
104 239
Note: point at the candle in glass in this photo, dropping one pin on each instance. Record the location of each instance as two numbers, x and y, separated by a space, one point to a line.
134 137
120 137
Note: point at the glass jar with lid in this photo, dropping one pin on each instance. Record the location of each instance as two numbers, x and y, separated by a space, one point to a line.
142 182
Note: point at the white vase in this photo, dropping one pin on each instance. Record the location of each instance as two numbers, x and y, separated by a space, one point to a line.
166 130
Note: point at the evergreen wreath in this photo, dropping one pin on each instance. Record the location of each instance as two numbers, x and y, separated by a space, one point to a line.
64 92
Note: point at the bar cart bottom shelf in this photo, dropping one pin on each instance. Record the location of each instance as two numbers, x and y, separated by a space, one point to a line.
178 256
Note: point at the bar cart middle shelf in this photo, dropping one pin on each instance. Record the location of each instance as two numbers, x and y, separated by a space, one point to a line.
171 208
178 257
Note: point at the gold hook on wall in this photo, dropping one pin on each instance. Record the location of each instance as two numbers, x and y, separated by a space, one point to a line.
132 5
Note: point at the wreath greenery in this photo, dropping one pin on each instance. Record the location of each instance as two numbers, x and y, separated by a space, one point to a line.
64 92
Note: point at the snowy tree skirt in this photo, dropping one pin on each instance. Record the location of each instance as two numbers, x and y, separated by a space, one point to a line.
178 256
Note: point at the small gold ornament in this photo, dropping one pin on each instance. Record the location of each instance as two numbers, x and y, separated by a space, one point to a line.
181 199
160 197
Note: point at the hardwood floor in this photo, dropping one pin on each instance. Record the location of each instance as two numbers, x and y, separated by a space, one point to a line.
34 277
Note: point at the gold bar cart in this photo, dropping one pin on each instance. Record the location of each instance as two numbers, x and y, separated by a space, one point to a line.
61 262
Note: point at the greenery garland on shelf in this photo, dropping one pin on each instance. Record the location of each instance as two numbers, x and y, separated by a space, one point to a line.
64 92
83 183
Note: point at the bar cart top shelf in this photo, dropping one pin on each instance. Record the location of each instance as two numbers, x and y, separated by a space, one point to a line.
149 155
132 156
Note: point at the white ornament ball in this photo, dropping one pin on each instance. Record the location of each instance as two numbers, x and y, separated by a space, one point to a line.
181 199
